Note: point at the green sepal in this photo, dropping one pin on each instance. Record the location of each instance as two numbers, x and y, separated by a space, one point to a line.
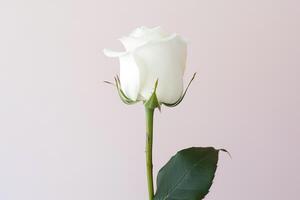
152 102
121 93
183 95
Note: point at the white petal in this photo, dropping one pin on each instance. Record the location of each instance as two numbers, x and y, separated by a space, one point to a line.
140 31
129 76
112 54
131 43
164 61
142 36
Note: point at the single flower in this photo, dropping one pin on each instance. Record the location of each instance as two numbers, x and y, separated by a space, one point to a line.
151 55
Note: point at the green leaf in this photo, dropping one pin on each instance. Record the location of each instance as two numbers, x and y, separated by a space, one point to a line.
188 175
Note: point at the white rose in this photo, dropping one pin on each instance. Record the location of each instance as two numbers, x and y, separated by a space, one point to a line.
152 54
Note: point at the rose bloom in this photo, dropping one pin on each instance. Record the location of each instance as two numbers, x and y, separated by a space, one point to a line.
152 54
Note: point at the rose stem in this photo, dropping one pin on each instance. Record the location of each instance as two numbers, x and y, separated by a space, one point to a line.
149 143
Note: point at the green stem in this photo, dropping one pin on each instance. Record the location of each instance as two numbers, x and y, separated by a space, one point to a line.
149 143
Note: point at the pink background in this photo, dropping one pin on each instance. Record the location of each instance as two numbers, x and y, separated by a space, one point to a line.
65 135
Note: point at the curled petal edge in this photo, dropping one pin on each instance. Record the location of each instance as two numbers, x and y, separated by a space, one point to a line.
117 54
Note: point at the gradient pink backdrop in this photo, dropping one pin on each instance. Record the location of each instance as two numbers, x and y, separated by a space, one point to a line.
65 135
